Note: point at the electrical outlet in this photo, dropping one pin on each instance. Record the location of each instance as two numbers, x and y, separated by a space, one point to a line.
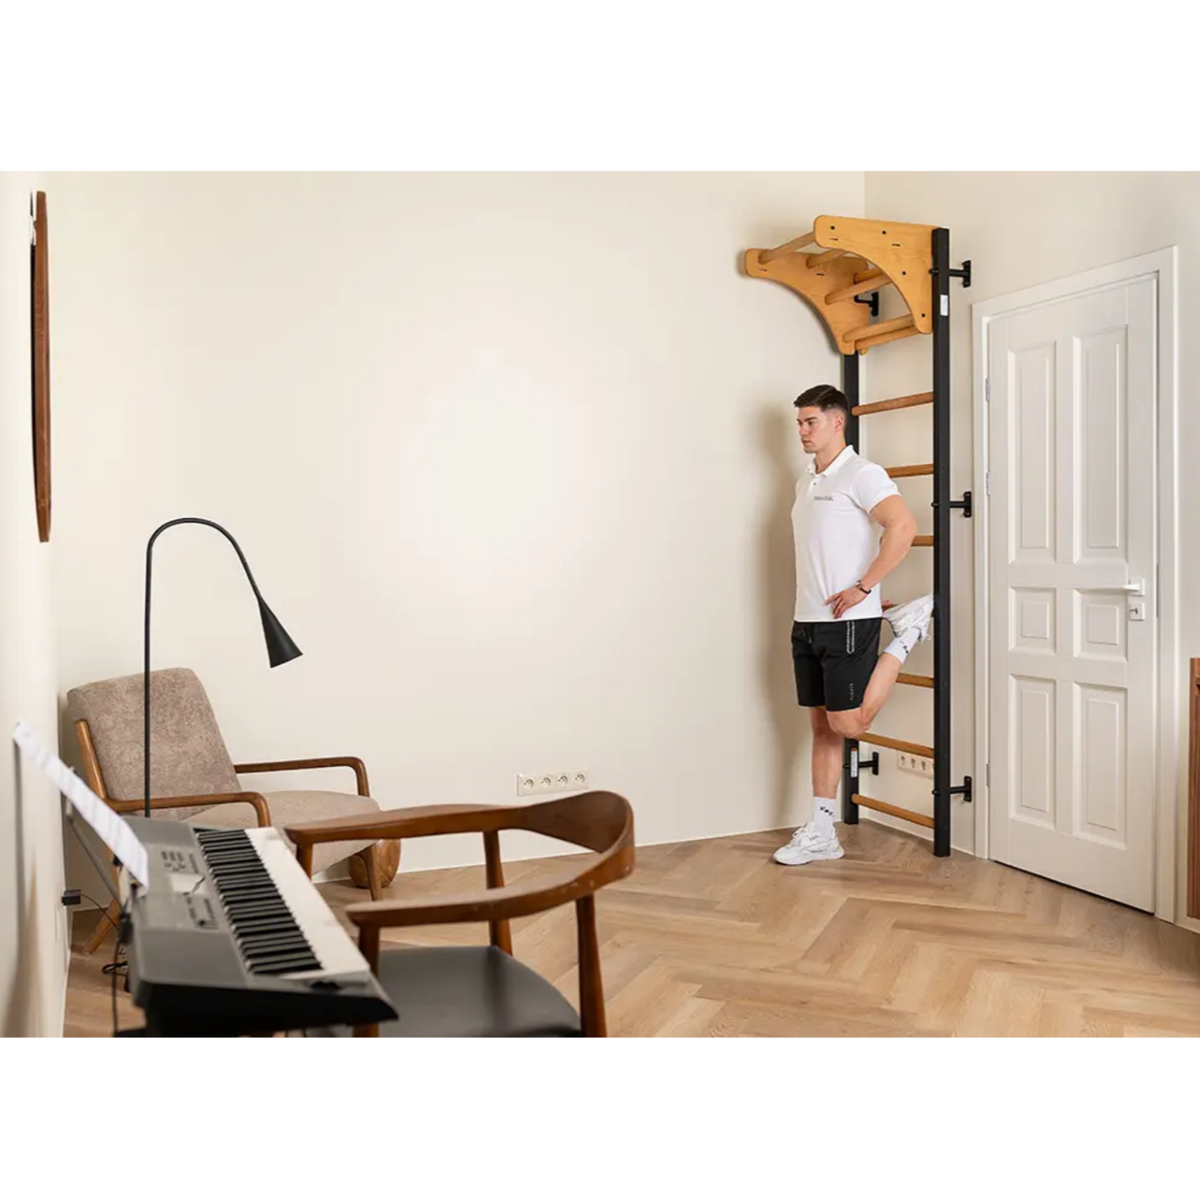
914 764
546 782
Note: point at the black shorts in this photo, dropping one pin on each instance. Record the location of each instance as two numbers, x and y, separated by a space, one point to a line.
834 661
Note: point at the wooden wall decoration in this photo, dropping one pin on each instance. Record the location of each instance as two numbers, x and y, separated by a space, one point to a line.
39 274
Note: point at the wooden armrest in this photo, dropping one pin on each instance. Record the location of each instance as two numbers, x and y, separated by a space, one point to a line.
425 821
494 904
156 802
311 764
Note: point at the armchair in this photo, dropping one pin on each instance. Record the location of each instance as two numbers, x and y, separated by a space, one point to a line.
193 777
482 991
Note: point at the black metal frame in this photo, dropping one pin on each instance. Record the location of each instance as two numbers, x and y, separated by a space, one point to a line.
941 542
943 509
850 760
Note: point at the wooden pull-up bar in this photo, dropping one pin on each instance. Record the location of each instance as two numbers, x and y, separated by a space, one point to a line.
882 327
894 810
877 739
819 260
857 289
866 343
910 472
805 239
864 410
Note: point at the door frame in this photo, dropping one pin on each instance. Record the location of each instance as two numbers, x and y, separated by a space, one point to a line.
1162 265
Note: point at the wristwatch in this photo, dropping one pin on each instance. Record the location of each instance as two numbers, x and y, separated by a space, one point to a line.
865 591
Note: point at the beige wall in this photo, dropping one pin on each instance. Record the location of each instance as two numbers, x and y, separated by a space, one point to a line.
1019 230
512 458
33 942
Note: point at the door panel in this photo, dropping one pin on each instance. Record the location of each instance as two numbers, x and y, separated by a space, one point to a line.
1072 524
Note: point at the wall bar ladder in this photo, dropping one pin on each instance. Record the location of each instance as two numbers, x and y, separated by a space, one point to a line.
836 267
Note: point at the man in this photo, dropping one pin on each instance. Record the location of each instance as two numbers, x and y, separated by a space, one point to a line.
841 559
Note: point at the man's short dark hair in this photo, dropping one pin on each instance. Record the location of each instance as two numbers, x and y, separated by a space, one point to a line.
825 397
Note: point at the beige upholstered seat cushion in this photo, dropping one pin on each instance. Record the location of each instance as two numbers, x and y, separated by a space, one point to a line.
295 808
188 756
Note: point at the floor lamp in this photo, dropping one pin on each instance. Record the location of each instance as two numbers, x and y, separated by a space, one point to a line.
280 647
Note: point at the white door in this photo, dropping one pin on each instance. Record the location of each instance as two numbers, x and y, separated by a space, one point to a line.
1072 634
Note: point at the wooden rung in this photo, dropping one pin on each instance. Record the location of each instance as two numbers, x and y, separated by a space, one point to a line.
877 739
925 681
805 239
863 410
895 335
893 810
882 327
909 471
923 539
828 256
875 273
856 289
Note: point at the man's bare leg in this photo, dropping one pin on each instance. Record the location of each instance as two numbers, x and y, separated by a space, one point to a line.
855 722
826 754
816 840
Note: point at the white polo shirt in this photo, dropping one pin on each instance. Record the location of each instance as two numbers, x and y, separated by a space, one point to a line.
836 540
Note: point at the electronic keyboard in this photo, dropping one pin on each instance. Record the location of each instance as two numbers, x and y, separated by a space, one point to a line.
231 938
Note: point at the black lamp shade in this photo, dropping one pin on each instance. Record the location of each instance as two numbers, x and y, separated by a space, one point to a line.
280 647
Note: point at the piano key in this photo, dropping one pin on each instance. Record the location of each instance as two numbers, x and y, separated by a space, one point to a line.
255 884
296 954
247 910
261 912
277 925
261 924
296 959
273 949
241 888
271 937
289 968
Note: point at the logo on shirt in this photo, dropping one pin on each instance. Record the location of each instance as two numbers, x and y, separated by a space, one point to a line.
829 498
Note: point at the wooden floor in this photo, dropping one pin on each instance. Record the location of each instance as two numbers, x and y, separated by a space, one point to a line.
712 938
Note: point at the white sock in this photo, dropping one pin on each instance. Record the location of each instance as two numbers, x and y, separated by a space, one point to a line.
822 817
901 647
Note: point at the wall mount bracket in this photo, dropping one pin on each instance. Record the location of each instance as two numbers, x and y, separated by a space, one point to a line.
964 504
872 300
964 791
963 272
859 763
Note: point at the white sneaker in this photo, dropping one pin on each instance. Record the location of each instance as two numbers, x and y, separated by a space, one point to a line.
913 614
809 845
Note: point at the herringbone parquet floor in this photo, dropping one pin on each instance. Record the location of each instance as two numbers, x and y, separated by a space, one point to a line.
712 938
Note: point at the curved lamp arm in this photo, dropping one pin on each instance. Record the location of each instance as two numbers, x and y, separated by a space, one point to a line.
280 647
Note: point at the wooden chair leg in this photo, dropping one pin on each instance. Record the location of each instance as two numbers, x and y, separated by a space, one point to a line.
591 989
499 931
370 858
368 943
106 925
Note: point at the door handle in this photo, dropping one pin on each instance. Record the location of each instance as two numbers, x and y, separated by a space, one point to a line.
1135 587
